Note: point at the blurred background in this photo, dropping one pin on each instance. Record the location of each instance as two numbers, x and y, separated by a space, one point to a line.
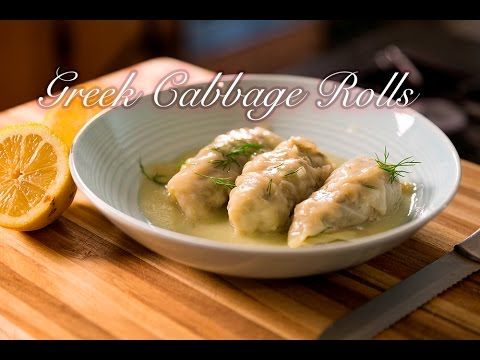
443 57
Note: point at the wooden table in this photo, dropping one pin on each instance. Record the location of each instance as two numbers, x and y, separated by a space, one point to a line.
82 278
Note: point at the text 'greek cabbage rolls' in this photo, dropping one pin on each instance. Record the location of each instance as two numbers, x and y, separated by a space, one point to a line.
356 192
272 184
204 181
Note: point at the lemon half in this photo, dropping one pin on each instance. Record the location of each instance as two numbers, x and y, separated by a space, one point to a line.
66 122
35 182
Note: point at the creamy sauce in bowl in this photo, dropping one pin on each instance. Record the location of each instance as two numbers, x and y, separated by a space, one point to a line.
160 211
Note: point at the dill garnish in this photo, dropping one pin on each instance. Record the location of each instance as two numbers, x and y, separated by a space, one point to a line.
369 186
277 166
269 187
293 172
245 149
225 164
392 169
227 182
156 178
180 163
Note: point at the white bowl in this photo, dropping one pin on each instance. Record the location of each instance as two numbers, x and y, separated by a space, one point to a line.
104 163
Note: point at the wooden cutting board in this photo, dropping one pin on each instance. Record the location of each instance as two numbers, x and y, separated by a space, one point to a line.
82 278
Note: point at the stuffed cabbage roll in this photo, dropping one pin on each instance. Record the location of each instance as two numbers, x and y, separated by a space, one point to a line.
356 192
272 184
205 180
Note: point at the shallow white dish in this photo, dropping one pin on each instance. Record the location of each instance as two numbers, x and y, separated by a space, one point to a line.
105 155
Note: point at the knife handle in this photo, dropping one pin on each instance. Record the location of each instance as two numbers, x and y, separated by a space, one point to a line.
470 247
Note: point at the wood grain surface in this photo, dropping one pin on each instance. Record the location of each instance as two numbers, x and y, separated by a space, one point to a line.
82 278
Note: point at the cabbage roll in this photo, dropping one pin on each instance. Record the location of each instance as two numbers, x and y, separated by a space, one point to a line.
272 184
356 192
205 180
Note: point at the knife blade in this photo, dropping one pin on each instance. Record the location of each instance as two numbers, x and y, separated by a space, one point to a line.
401 299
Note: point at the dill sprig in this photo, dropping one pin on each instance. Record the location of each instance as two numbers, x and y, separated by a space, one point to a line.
156 178
225 164
393 169
227 182
245 149
180 163
293 172
269 187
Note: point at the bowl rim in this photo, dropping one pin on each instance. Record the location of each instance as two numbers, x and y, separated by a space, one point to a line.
260 249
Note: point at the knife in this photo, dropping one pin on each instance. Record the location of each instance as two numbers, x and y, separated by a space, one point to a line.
401 299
